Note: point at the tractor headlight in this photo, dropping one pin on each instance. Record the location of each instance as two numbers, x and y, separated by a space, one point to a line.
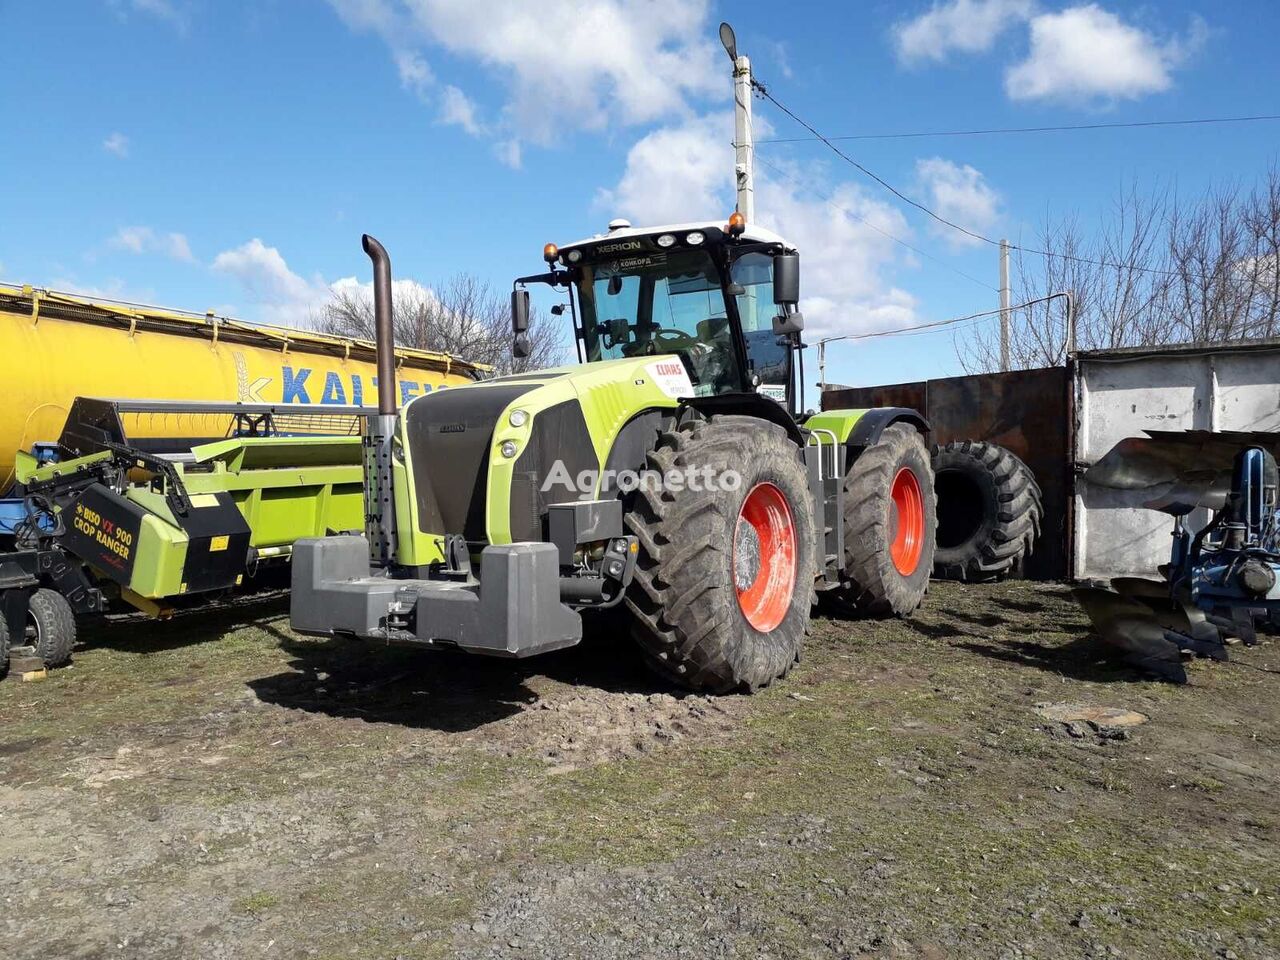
518 418
574 256
509 449
695 239
667 240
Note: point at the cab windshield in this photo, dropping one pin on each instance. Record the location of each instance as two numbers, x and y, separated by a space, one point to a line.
660 302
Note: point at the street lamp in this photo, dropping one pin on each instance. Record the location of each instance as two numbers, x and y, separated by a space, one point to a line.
729 41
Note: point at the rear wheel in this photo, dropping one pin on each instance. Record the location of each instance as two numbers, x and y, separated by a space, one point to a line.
889 526
51 627
724 578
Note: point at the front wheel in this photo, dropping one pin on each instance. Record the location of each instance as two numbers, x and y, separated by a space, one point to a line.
890 520
724 577
51 627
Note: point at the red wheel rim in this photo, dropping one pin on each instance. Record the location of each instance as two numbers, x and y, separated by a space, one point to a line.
908 537
764 557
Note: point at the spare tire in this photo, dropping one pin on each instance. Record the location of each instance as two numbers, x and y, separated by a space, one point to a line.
989 511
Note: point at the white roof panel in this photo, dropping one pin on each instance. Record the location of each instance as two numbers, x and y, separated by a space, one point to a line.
753 232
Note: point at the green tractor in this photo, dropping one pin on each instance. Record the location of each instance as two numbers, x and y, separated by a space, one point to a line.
670 474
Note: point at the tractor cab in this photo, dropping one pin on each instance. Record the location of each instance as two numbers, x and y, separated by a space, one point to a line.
721 298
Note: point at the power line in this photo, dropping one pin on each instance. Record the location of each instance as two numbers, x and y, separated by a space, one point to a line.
943 220
865 222
1006 130
922 327
854 163
935 324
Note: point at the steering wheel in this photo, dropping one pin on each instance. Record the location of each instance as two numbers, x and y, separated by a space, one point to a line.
672 340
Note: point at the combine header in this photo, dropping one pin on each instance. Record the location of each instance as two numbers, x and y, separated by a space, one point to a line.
162 504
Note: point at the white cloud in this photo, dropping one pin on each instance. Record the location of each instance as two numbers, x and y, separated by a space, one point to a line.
684 173
959 194
675 174
402 290
141 240
113 289
590 65
118 144
1086 53
177 14
415 74
279 295
964 26
508 151
458 109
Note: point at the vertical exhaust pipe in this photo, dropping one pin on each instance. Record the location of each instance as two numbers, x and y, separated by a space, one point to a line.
383 324
380 429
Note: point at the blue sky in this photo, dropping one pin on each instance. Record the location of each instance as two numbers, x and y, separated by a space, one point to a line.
227 156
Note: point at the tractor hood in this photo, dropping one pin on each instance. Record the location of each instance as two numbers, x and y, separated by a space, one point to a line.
485 460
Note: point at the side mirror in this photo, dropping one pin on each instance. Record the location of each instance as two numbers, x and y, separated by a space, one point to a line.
788 323
786 279
520 347
519 311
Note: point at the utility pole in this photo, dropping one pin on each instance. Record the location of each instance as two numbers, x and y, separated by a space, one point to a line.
1004 305
743 136
822 360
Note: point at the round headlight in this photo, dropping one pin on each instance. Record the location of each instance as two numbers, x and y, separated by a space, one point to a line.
508 448
574 256
695 238
667 240
518 418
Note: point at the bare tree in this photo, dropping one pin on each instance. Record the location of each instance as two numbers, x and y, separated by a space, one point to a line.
463 317
1157 270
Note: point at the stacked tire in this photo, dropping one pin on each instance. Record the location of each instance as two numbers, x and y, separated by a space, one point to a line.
989 512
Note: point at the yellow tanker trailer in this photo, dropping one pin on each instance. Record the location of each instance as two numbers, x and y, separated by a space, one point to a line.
55 347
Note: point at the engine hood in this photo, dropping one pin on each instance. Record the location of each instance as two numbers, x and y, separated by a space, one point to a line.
475 472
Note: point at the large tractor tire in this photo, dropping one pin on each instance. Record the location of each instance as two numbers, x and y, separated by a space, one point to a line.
889 520
724 577
989 512
51 627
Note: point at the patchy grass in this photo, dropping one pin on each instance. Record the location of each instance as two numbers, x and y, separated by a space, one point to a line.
217 784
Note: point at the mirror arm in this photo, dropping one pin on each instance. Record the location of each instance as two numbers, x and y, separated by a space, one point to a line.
556 278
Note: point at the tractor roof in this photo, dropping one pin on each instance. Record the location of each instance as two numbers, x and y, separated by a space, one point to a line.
622 230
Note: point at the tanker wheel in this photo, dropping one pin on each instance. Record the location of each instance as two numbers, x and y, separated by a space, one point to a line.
4 644
724 577
51 627
889 525
989 511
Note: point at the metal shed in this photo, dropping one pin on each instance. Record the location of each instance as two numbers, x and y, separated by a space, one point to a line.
1120 393
1060 420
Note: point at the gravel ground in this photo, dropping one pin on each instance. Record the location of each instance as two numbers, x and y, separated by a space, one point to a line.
216 787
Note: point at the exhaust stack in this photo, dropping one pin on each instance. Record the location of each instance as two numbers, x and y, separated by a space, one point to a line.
383 326
380 428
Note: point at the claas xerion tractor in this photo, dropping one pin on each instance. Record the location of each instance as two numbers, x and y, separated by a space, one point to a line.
670 474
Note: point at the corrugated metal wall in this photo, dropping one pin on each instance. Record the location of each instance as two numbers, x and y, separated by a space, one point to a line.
1027 411
1121 393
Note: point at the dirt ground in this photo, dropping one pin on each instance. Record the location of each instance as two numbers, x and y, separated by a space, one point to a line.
218 787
